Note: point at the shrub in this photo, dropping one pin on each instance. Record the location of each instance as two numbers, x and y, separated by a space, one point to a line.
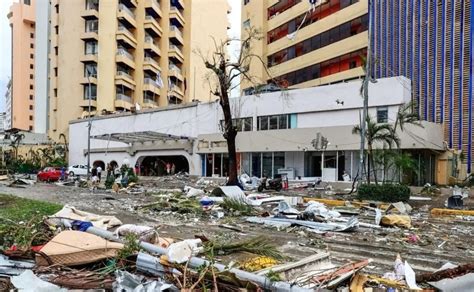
385 193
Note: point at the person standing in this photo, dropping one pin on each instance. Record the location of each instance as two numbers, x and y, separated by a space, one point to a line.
173 168
99 172
168 168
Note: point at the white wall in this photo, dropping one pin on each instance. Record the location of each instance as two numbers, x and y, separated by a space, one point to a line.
316 107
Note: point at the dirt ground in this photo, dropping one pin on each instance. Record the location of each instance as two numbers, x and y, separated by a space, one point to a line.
440 240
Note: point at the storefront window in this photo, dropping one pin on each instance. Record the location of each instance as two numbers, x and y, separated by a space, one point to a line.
267 164
256 164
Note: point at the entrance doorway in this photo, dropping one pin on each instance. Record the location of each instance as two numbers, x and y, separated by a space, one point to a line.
158 165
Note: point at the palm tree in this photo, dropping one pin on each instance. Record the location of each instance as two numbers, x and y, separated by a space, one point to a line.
376 132
405 116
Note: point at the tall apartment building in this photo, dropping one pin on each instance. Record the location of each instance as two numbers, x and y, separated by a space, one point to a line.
22 23
304 45
431 43
127 52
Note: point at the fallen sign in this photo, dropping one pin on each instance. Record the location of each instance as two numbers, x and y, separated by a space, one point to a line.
318 227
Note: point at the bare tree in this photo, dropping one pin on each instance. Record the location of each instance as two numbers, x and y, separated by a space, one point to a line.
226 73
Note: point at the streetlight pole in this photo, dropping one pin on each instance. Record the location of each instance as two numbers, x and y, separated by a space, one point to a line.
365 96
89 124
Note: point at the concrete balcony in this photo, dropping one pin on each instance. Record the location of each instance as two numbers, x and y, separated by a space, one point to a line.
151 45
175 13
92 79
175 71
124 79
151 64
125 57
84 103
150 24
127 36
176 53
124 13
89 58
176 90
181 3
153 5
149 103
123 101
90 35
90 13
151 86
176 34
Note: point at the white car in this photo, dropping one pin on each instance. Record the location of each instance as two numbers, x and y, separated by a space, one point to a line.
78 169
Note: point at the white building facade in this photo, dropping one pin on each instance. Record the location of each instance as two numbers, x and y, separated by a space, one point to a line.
280 132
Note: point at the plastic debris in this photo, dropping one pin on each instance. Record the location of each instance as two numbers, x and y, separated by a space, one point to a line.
126 282
29 282
182 251
144 233
192 192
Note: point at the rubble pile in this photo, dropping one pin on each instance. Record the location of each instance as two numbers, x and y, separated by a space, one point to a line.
192 234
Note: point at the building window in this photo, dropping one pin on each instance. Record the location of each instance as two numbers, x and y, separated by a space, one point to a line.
56 72
31 76
27 2
32 56
262 164
247 23
32 35
31 118
55 91
31 96
382 115
91 48
275 122
280 7
31 86
56 51
241 124
92 4
56 7
92 25
321 40
246 2
90 69
329 67
320 12
56 29
31 128
31 107
32 46
93 91
31 66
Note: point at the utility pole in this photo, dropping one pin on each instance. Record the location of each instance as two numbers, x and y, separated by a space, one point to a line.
89 124
365 96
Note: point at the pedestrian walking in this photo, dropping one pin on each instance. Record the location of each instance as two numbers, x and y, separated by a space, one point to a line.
99 172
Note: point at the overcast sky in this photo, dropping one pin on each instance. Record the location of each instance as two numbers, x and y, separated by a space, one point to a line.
5 43
5 48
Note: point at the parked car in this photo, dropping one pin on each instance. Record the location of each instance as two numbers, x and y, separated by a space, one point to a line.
77 169
49 174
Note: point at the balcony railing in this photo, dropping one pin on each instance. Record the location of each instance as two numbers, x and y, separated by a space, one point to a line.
174 47
125 74
176 29
127 10
121 96
149 100
148 80
123 52
149 39
93 97
152 61
175 68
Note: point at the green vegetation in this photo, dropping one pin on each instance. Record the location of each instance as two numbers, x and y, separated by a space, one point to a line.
21 221
238 206
258 245
385 193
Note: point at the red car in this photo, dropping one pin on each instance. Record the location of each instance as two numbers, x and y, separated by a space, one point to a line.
50 174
